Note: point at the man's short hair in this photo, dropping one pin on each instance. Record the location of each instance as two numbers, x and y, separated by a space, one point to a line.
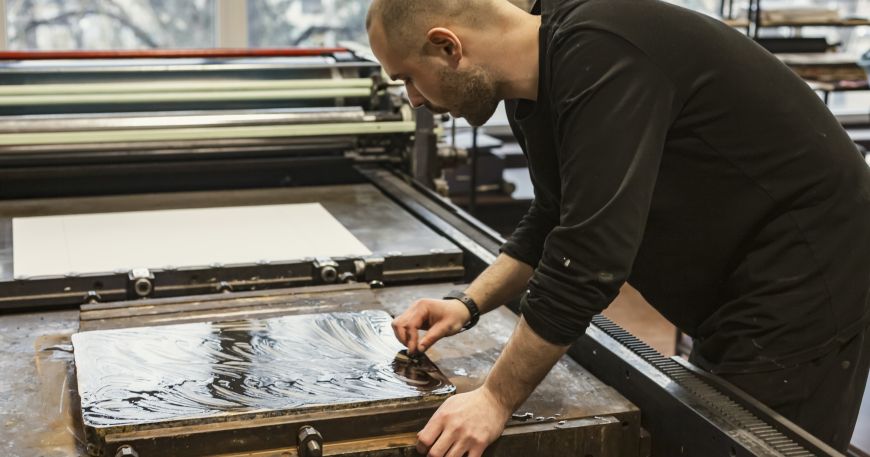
407 21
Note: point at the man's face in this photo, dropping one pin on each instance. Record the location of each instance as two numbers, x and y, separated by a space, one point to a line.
465 90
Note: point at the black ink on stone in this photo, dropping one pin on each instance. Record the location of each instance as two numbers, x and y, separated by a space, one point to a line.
140 376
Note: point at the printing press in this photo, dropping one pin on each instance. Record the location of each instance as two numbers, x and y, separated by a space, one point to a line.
200 253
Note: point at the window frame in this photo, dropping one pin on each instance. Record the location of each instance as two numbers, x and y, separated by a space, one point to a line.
231 24
231 28
3 31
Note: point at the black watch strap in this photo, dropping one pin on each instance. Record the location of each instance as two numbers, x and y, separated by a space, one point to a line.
469 303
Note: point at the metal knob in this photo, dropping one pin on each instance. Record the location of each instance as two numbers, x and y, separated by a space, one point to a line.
143 287
327 268
142 282
309 442
328 274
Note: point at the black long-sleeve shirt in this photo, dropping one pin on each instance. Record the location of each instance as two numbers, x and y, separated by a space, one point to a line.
672 152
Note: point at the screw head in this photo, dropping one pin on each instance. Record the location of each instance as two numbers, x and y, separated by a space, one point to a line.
143 287
328 274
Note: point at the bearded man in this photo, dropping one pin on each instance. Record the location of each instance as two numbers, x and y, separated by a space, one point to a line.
666 150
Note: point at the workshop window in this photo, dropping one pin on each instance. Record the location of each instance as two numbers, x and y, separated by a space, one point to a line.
277 23
109 24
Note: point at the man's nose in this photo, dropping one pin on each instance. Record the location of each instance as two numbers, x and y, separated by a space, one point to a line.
414 96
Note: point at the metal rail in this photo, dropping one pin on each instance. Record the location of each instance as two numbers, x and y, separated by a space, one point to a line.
182 86
782 438
179 97
167 53
182 134
65 68
74 122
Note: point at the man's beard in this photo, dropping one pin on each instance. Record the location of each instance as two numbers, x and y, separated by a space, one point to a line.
469 93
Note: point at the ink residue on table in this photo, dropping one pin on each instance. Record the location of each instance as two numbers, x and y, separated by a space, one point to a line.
152 374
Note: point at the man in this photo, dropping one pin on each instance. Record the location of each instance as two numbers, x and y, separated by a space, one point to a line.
666 150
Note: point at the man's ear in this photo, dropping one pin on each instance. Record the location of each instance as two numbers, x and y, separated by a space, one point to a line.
445 43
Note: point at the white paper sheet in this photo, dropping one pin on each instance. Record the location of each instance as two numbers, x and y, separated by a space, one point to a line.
87 243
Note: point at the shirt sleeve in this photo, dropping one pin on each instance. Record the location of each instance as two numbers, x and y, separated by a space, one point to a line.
613 108
526 243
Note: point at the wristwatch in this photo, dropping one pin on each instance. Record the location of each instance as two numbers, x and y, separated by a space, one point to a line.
469 303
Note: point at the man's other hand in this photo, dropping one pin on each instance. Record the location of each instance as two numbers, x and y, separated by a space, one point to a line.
464 425
439 318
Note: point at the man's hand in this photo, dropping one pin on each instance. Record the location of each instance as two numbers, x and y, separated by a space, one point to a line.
465 424
469 422
499 283
439 318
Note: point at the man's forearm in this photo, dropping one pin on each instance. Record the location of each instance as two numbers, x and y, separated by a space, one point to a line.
525 362
501 282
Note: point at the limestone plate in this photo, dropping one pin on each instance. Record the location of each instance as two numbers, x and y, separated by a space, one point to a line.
176 376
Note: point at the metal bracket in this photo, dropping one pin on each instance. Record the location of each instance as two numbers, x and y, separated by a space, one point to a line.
373 269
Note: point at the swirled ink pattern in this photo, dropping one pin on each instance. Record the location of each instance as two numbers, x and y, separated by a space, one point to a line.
154 374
